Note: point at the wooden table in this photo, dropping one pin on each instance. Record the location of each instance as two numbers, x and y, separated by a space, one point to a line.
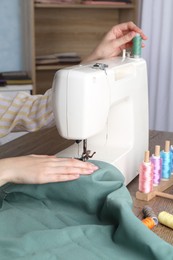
49 142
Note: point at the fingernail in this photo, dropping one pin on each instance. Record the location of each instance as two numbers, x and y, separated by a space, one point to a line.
94 166
89 171
132 34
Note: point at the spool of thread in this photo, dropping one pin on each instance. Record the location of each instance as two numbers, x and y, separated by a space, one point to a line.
171 151
166 162
148 212
157 166
137 46
146 174
149 222
166 219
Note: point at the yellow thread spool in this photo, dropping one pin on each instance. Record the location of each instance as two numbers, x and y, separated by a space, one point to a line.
166 219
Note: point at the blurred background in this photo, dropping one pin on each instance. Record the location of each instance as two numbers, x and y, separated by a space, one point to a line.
23 21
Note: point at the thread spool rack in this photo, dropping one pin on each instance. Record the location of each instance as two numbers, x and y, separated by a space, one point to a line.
163 185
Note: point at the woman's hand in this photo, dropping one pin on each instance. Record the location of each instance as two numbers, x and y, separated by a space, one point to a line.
39 169
118 38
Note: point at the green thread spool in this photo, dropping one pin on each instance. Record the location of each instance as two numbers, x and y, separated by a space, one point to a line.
136 50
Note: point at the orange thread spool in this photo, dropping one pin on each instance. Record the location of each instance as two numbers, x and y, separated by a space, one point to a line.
149 222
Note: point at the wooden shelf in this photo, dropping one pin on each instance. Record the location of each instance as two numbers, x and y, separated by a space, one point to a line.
61 28
53 67
9 88
78 6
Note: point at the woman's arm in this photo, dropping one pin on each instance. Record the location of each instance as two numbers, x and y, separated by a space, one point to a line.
25 112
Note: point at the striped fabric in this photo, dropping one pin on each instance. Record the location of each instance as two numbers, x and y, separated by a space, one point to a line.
25 112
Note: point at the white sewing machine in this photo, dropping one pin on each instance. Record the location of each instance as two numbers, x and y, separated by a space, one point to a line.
105 103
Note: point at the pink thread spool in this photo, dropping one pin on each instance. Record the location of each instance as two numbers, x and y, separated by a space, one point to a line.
146 174
156 160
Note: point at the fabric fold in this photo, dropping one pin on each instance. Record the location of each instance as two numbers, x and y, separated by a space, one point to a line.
90 218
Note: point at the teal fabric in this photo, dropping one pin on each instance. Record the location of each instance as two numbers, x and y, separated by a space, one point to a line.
87 219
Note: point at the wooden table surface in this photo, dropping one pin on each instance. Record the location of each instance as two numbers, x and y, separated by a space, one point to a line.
49 142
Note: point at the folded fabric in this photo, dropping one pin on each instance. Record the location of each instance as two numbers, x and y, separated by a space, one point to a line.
87 219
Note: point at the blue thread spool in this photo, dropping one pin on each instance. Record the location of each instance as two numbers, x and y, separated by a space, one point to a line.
166 162
136 49
171 151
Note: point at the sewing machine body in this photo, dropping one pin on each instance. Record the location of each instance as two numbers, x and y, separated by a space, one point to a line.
108 106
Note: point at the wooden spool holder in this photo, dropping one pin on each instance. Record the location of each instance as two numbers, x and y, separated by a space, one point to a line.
157 191
164 184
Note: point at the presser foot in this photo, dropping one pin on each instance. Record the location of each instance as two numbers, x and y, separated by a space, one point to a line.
86 155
